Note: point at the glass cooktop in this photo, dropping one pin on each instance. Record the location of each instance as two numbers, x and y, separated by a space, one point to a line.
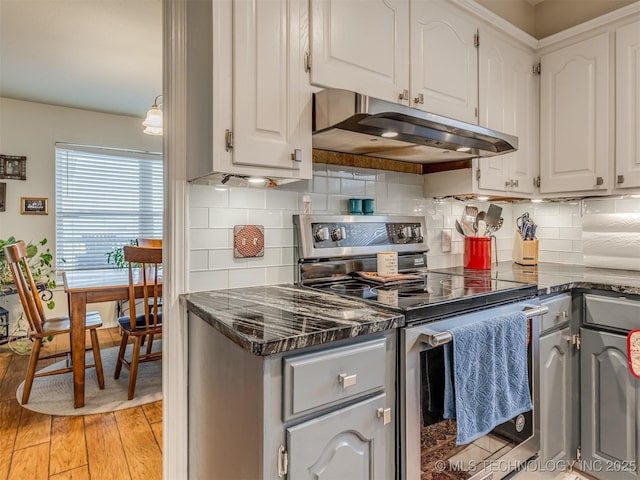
433 295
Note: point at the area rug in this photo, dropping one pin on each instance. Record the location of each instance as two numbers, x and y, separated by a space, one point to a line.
53 395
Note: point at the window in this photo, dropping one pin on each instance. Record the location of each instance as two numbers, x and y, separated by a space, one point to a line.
104 199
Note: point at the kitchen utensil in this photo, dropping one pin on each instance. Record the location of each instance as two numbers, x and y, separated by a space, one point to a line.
526 226
468 219
491 229
477 226
459 228
493 214
471 210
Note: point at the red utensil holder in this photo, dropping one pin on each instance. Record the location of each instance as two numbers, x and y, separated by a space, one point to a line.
477 253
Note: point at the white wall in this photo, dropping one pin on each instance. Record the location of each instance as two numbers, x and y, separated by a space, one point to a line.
215 210
32 130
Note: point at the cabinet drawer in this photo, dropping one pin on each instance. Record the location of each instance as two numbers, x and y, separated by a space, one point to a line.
616 312
559 311
320 379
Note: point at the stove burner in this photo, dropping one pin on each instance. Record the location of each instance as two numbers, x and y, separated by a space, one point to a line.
350 288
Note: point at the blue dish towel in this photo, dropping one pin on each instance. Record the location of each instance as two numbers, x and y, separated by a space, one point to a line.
490 382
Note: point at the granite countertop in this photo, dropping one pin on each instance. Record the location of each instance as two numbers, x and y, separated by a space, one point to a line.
280 318
557 277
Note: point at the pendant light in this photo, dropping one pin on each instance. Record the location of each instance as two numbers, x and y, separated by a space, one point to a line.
153 121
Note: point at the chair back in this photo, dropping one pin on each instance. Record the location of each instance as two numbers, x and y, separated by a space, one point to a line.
144 272
16 257
150 242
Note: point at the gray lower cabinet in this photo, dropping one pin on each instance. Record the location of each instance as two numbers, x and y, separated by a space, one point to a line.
556 380
326 412
555 396
346 444
610 407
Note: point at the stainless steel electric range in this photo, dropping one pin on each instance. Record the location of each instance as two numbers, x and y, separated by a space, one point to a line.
338 254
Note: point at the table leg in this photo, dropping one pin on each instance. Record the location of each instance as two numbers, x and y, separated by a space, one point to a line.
77 314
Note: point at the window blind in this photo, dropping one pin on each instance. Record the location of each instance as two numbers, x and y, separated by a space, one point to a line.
104 199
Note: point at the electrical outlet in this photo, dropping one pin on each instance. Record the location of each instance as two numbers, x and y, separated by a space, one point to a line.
248 241
446 240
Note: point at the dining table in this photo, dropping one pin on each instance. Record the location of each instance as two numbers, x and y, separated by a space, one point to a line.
92 286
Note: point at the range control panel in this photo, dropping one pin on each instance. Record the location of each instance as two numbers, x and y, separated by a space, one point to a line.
335 234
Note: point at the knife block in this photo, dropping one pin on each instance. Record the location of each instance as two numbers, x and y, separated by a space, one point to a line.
525 252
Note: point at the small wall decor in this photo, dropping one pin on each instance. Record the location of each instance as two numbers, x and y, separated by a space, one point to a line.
248 241
3 196
13 167
34 206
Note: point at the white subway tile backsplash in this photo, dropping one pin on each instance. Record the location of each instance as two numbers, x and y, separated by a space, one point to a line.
247 277
280 275
599 206
207 196
364 174
209 238
278 237
266 218
212 221
227 217
198 260
201 281
627 205
352 188
224 259
198 217
247 197
288 256
282 200
271 257
339 171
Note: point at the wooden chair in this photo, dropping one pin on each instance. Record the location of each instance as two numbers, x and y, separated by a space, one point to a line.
150 242
148 323
41 327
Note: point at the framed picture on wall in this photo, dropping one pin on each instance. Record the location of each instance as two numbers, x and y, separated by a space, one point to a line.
13 167
34 206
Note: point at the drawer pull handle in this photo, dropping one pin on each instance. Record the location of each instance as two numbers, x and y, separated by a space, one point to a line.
385 414
561 314
347 380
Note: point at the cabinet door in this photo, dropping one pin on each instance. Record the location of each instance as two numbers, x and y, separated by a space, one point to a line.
361 46
271 100
574 116
349 443
610 403
444 60
508 103
628 106
555 396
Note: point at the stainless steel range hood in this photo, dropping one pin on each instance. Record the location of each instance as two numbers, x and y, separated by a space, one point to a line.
348 122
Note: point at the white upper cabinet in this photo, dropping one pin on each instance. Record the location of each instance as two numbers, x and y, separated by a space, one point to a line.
361 46
575 118
508 103
249 98
271 118
444 60
628 106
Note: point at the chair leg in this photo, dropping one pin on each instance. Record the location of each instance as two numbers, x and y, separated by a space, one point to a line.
123 348
150 344
31 370
133 370
95 346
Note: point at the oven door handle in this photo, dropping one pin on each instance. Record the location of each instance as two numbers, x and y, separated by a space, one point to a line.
440 338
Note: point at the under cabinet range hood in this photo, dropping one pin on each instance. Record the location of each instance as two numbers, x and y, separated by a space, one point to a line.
348 122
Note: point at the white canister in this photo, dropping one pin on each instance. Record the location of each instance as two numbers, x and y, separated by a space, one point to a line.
387 263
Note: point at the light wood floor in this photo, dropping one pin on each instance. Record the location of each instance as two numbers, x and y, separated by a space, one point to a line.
121 445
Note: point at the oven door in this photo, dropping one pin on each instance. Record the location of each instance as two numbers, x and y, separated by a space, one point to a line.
427 441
